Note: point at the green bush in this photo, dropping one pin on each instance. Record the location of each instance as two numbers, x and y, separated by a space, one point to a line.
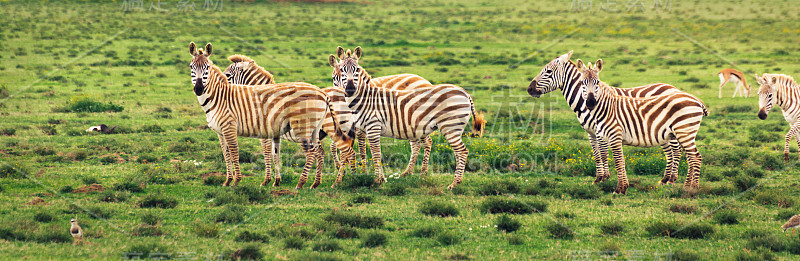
147 230
427 231
214 180
614 227
679 230
755 255
88 104
231 214
686 254
113 196
128 186
254 194
498 187
205 229
247 236
158 201
394 189
583 191
88 180
743 183
153 128
13 170
726 217
512 206
683 209
65 189
559 231
151 218
146 248
774 197
357 181
515 239
248 252
361 199
354 219
437 208
448 238
345 233
293 243
507 224
764 239
43 217
373 239
326 246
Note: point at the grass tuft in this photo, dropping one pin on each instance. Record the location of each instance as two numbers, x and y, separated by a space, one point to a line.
437 208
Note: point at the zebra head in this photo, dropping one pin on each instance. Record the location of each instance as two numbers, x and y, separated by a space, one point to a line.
590 80
552 76
239 65
347 73
766 95
200 66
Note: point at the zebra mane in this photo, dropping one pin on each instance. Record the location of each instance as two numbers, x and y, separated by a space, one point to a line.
240 58
784 78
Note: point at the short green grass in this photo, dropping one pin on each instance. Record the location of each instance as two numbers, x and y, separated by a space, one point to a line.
60 61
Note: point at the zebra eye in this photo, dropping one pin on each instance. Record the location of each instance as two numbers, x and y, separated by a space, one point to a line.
549 71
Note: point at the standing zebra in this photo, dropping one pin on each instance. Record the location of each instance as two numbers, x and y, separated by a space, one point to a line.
562 73
245 71
644 122
782 90
262 111
398 82
404 114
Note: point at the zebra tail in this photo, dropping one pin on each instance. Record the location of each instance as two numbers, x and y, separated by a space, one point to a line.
478 121
339 134
705 109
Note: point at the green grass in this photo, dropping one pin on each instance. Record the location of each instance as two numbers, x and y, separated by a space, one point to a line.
66 66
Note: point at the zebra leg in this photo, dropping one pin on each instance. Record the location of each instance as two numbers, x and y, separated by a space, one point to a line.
602 145
694 159
276 160
427 144
227 155
413 160
676 160
335 156
233 149
362 148
789 135
797 137
453 136
599 175
374 136
320 165
619 162
348 158
310 151
266 149
667 179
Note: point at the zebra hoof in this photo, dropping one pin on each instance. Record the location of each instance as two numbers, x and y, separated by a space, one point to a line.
313 186
786 156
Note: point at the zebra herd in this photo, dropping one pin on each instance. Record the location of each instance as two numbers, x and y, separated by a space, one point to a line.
244 100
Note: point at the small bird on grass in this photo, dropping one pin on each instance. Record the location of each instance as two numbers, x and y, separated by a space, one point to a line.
76 231
793 223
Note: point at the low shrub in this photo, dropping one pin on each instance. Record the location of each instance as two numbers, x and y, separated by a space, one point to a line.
231 214
144 249
361 199
498 187
559 231
158 201
679 230
755 255
726 217
147 230
394 189
293 242
515 239
89 104
764 239
683 209
686 254
213 180
426 231
205 229
248 252
512 206
356 181
129 186
113 196
373 239
65 189
448 238
614 227
354 219
345 233
326 246
437 208
507 224
43 217
151 218
247 236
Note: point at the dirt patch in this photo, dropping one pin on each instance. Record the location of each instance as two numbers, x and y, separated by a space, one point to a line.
299 224
283 192
117 157
329 195
89 188
37 202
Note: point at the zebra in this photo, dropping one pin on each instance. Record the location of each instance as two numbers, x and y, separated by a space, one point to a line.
398 82
244 70
262 111
782 90
404 114
644 122
561 73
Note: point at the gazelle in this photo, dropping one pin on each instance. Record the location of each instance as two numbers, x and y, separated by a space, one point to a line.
736 77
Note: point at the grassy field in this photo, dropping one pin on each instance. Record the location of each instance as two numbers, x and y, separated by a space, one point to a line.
158 175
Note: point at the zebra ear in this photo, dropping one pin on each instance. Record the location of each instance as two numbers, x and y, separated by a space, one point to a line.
580 65
358 52
332 60
208 49
599 65
774 80
340 52
192 49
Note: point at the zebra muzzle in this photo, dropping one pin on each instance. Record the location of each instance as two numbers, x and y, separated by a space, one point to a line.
591 101
762 114
198 87
532 91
